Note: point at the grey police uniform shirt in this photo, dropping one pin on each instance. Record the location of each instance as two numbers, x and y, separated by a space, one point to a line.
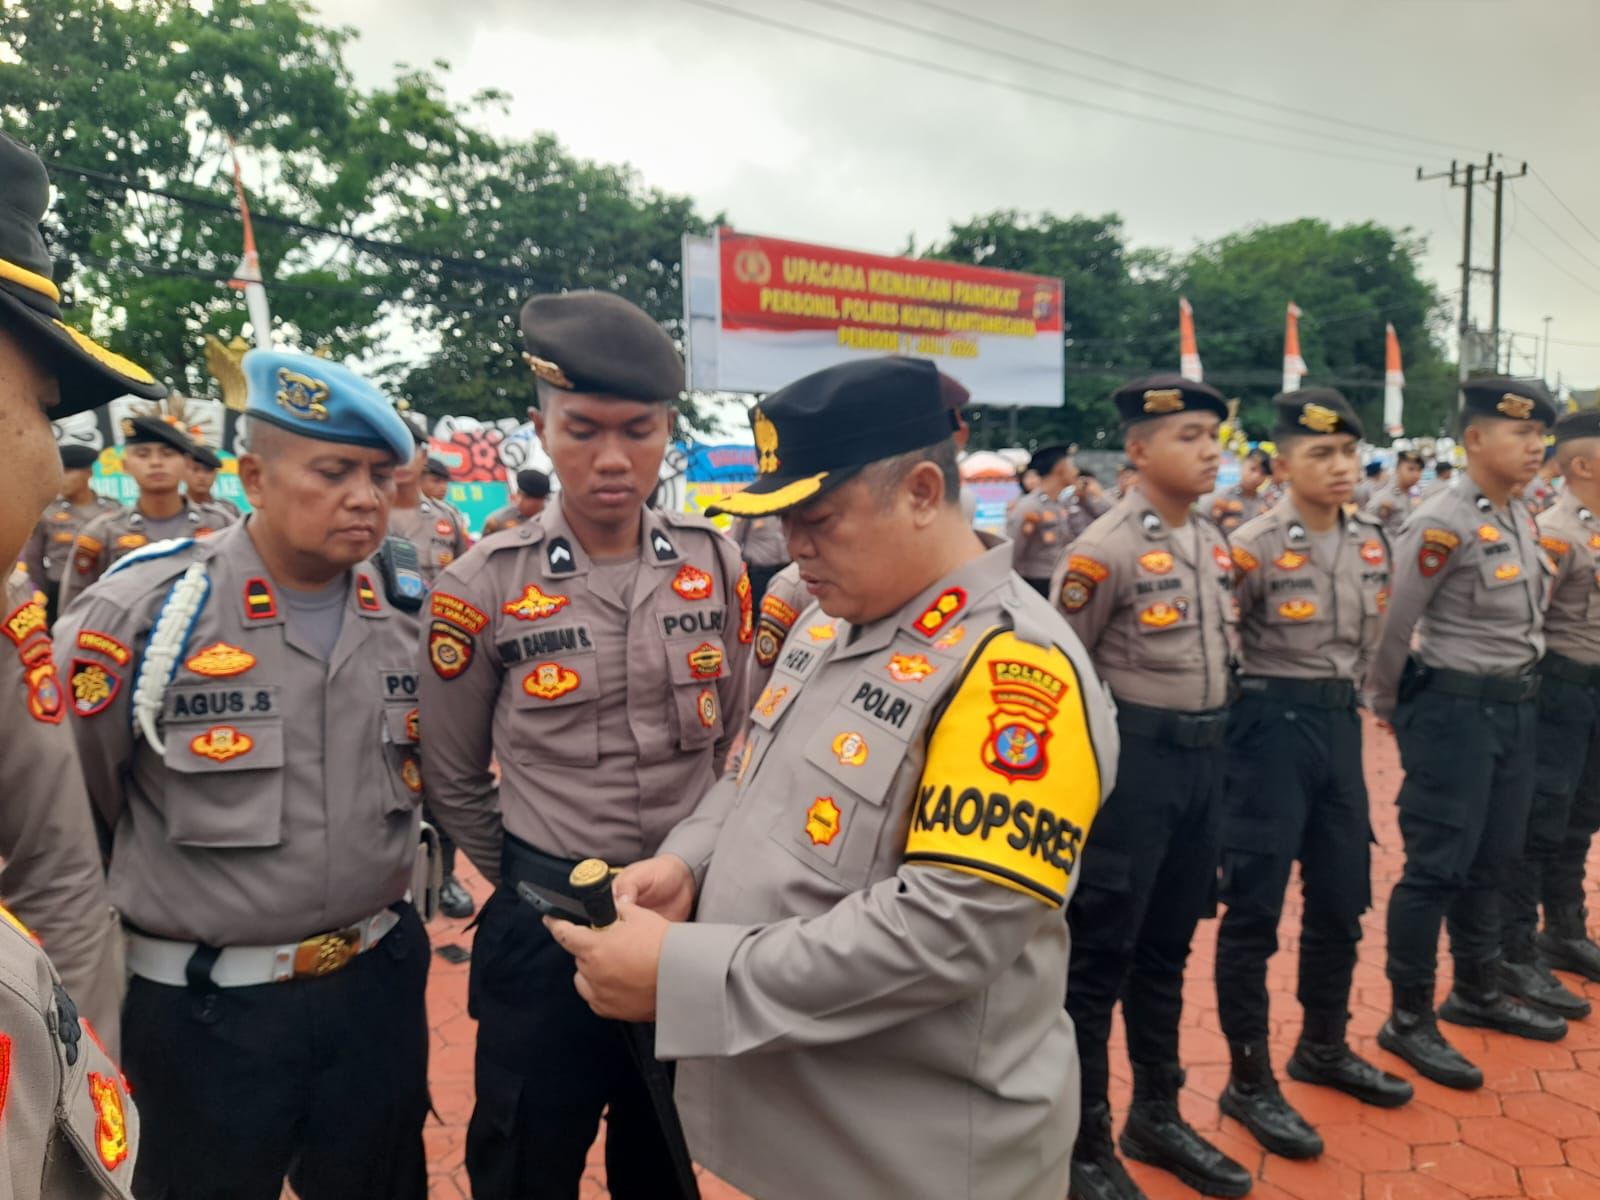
508 517
1570 534
761 541
1037 528
1084 511
1310 605
285 802
435 530
1471 581
607 713
49 550
1154 606
69 1129
52 878
879 945
1391 505
1234 506
112 536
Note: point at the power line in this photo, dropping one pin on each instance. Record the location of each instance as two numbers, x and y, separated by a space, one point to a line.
1024 89
1537 249
1557 234
1554 196
838 6
1168 78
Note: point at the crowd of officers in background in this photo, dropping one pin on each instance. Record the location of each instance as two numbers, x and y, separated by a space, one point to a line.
912 787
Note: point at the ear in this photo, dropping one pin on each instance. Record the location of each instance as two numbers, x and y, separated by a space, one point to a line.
536 418
924 487
252 472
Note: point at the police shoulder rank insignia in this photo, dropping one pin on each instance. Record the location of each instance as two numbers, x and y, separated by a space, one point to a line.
1244 560
746 594
110 1122
941 612
1298 609
220 660
1011 782
259 602
449 650
366 596
823 821
705 661
550 681
1290 560
221 743
705 707
1436 547
457 612
910 668
558 557
301 395
850 749
1555 546
1157 562
534 605
93 687
692 583
1372 553
662 546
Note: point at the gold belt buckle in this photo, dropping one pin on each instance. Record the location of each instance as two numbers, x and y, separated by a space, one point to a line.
326 953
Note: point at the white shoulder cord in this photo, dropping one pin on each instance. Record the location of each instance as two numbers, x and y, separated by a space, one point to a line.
167 641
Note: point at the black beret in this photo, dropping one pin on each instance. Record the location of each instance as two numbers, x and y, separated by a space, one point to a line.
1164 394
1374 468
1410 456
419 435
1574 425
1317 410
594 342
821 430
436 466
205 456
1511 399
75 456
1045 458
153 431
533 484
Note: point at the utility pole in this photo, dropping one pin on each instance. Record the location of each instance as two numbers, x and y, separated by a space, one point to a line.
1500 178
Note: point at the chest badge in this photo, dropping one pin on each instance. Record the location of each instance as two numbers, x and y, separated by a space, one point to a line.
705 706
131 541
221 661
1507 571
221 743
771 697
705 661
822 821
1298 609
692 583
822 633
1244 560
411 774
1223 559
1162 615
1488 533
413 726
1290 560
850 749
550 681
534 605
1157 562
910 668
444 529
1372 553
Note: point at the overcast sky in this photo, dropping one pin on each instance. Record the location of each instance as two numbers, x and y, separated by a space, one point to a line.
846 142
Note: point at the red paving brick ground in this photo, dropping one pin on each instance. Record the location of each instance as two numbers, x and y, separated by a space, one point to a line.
1532 1131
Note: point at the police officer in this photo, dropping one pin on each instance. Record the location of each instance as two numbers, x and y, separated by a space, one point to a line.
533 493
1148 590
1542 490
203 466
1312 586
49 550
155 453
762 546
599 651
432 526
1373 478
1566 796
1037 526
1393 503
70 1127
1245 499
1471 580
1086 504
890 857
1444 473
252 740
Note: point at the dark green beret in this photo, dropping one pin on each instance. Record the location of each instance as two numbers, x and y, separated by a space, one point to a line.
600 344
1511 399
1572 426
1308 411
1164 395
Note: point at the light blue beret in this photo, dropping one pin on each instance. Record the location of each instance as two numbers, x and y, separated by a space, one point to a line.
322 400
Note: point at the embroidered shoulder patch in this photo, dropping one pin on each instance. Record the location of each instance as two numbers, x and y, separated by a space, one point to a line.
1555 546
449 650
746 594
1435 550
93 687
110 1122
104 643
1244 560
778 612
457 612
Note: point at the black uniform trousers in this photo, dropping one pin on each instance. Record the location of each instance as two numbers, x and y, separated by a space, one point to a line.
546 1069
1469 771
324 1081
1149 874
1042 586
760 576
1295 792
1565 812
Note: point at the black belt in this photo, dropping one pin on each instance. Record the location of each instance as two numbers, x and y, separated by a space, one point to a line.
1513 689
1559 666
1317 693
522 863
1188 730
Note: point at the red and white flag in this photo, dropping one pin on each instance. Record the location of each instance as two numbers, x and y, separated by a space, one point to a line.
1294 367
1394 382
247 275
1188 348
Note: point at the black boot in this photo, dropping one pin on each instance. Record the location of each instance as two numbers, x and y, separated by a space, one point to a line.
1097 1172
1156 1133
1253 1099
1477 1001
1412 1033
1536 985
454 900
1565 943
1323 1057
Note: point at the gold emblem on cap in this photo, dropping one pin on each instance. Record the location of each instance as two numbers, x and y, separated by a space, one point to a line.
302 395
546 370
766 443
1164 400
1519 408
1319 419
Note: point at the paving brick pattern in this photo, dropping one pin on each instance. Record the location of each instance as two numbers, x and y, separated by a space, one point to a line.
1533 1130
